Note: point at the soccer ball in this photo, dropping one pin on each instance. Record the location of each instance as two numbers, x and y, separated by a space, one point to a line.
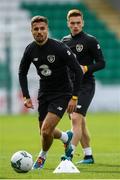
22 161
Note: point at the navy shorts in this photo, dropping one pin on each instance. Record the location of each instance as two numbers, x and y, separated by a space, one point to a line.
53 104
85 97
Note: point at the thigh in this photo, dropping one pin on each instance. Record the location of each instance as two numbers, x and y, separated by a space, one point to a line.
86 95
59 105
50 122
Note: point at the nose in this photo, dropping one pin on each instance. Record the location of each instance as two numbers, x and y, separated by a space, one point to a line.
39 31
75 25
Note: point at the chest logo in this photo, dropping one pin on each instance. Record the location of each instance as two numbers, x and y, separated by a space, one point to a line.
79 47
51 58
45 71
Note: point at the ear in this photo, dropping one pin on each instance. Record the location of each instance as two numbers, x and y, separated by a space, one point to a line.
83 24
68 24
31 28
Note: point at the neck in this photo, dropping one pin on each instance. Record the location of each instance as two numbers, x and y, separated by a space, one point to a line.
76 34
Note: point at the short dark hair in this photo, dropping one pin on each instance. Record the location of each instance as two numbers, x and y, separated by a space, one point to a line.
39 19
74 12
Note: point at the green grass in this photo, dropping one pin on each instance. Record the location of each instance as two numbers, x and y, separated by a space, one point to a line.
22 133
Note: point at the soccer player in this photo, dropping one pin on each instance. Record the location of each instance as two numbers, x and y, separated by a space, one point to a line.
51 59
89 55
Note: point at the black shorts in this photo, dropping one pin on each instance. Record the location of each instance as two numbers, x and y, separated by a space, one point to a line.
53 104
86 94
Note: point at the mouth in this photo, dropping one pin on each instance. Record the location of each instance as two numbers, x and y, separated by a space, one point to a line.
76 30
39 36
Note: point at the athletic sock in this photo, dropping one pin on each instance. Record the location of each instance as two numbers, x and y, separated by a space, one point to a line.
64 137
87 151
73 147
43 154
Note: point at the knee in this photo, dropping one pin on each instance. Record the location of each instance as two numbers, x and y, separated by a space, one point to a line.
76 121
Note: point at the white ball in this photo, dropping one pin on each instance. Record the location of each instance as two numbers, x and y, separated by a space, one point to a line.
22 161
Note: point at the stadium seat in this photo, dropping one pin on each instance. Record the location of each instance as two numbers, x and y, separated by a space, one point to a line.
56 14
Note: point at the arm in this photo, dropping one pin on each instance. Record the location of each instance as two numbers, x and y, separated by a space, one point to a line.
97 55
74 66
23 71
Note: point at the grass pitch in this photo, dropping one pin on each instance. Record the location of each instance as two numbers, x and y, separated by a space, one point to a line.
22 133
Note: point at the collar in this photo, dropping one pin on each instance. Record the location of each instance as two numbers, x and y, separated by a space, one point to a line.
78 35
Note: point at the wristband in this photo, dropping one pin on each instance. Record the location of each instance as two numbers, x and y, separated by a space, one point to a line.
85 68
74 97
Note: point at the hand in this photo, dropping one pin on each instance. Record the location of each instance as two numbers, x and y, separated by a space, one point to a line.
71 105
28 103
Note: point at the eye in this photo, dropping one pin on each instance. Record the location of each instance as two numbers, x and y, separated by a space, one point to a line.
36 29
72 23
42 28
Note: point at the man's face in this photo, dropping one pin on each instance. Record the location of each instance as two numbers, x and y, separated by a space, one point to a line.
75 24
40 31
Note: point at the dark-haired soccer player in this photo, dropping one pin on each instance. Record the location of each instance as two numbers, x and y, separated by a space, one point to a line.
89 55
51 59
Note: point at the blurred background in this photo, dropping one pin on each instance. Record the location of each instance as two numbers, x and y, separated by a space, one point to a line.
102 19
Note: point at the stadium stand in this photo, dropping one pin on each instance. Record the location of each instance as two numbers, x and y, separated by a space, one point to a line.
14 22
21 11
15 35
105 10
93 25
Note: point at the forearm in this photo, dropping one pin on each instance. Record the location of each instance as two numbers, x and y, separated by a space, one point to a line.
77 81
24 86
95 67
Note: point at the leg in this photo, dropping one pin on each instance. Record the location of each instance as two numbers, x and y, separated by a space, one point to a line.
65 137
47 130
85 138
80 134
85 98
85 143
57 133
76 119
49 117
47 133
76 128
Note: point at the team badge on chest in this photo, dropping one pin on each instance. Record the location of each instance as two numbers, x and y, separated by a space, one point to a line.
79 47
51 58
